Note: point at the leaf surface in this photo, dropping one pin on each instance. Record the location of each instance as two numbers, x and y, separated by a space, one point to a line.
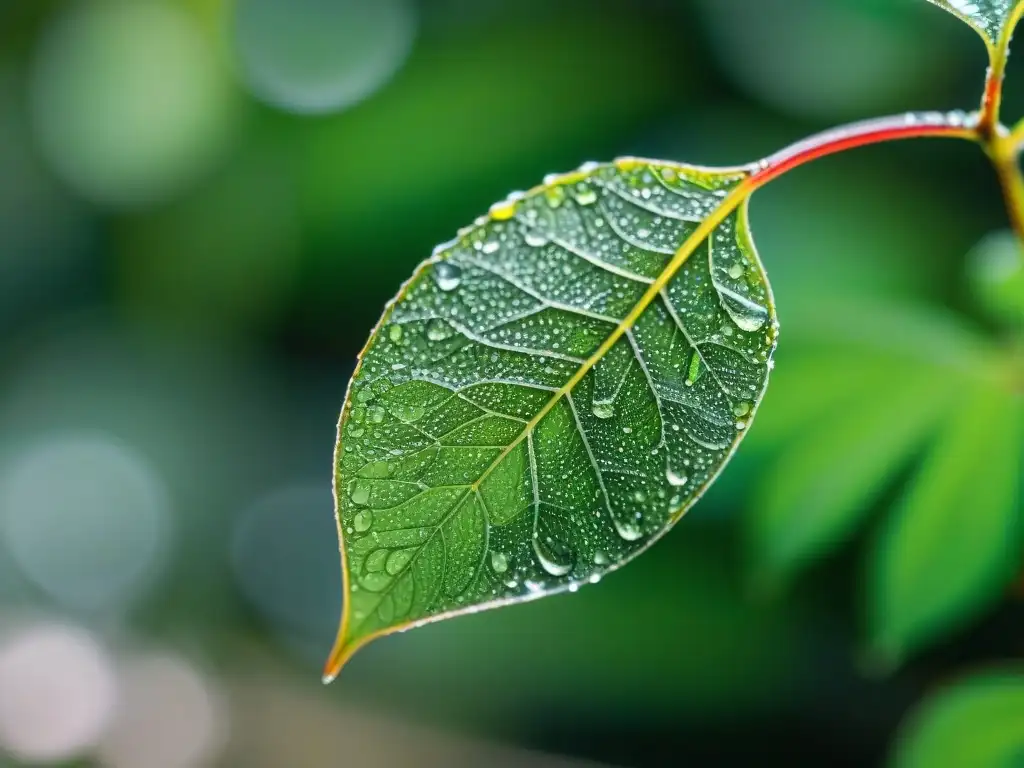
949 550
549 393
978 722
994 20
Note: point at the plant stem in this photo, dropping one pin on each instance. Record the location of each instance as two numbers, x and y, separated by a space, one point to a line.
1017 135
992 100
954 125
1002 146
1003 151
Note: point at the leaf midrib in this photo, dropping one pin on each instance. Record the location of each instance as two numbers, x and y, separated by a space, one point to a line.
704 230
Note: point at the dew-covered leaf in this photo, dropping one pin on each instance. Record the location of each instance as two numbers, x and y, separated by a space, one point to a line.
548 394
992 19
818 491
950 548
978 722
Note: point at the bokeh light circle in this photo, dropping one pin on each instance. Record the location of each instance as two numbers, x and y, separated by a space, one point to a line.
58 691
822 59
85 519
168 716
316 56
285 556
128 99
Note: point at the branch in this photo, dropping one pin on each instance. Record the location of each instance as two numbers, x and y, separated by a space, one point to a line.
1004 150
914 125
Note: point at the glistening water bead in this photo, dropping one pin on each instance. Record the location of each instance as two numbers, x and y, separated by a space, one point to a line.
447 275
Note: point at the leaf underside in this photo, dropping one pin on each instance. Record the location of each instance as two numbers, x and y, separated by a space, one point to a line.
991 19
530 413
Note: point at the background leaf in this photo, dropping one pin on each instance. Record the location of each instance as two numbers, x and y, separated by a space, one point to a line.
548 395
992 19
812 498
976 723
952 545
849 410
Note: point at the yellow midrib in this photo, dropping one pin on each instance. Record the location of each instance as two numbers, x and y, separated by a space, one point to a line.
729 204
342 650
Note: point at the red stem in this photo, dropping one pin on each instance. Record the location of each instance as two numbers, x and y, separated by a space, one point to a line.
909 126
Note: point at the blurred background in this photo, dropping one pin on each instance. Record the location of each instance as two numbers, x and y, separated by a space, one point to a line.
205 204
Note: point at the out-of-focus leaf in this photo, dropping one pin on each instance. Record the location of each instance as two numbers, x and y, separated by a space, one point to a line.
814 496
549 394
977 723
994 20
997 276
952 545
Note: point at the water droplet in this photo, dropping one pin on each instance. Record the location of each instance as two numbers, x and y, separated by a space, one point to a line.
409 412
363 521
375 582
355 430
554 557
639 497
741 409
395 332
398 560
676 479
696 369
585 194
603 409
375 414
747 315
600 558
499 561
555 196
438 330
536 239
360 494
627 430
375 562
491 246
447 275
628 530
736 271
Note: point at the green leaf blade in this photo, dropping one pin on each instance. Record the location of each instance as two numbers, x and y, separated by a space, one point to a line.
950 549
994 20
549 393
977 722
813 498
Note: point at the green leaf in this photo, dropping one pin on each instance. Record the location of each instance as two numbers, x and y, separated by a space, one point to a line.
994 20
815 495
549 394
951 547
977 723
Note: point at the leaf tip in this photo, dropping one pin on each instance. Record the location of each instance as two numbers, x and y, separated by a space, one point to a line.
340 654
